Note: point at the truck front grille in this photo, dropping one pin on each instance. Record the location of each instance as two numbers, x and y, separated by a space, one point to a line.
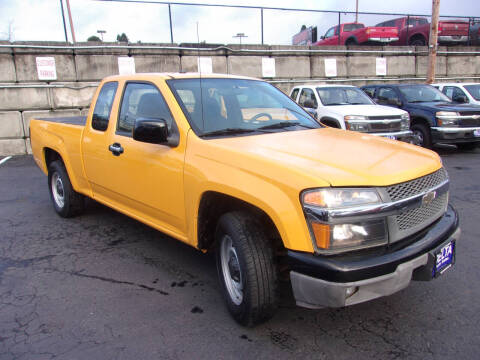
417 186
414 220
424 214
378 125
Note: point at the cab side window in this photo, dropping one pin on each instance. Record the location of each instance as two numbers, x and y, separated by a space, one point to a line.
453 92
103 106
330 32
305 95
370 91
141 100
386 94
294 94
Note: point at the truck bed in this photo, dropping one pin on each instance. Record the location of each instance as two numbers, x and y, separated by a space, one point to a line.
72 120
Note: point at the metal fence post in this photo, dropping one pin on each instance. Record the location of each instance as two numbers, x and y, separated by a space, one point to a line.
408 25
339 19
170 18
261 22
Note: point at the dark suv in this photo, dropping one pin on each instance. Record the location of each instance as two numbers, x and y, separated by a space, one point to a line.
434 117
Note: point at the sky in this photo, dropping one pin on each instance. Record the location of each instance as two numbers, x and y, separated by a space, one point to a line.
41 20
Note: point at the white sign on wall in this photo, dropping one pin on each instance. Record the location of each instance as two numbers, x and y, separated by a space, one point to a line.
46 69
330 67
268 67
126 65
204 65
381 66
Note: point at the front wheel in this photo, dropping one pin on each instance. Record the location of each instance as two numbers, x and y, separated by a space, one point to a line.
422 136
246 268
66 201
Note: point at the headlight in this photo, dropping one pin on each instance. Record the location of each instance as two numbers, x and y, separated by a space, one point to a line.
356 123
405 122
339 198
446 114
333 237
447 118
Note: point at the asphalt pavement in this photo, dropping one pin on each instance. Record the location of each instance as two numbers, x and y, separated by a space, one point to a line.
104 286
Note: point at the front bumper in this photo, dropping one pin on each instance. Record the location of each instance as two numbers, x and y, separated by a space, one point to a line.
454 135
406 135
324 281
383 39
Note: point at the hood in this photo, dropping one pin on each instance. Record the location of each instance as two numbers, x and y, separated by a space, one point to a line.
365 110
443 106
323 157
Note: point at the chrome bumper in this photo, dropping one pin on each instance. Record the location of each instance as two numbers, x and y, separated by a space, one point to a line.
451 38
398 134
454 129
316 293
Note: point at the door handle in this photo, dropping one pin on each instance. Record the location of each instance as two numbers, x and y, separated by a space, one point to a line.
116 149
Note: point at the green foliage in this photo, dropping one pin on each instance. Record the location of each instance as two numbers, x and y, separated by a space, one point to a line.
122 38
93 38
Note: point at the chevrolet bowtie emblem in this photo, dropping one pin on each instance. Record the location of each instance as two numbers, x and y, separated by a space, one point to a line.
428 198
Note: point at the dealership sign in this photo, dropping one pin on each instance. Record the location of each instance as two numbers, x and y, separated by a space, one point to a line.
46 68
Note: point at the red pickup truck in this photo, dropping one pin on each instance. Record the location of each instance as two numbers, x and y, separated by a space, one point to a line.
418 31
357 33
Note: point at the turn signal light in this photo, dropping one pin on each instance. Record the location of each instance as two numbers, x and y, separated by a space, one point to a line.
322 235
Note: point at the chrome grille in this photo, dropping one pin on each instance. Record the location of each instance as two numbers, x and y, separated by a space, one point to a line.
411 218
417 186
379 126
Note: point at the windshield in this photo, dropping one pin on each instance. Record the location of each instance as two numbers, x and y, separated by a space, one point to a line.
342 96
474 90
422 93
236 106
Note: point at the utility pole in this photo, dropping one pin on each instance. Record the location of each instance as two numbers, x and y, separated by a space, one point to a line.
432 43
101 32
71 22
240 36
63 18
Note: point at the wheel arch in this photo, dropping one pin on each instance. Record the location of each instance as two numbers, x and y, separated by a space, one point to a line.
332 122
417 36
214 204
352 40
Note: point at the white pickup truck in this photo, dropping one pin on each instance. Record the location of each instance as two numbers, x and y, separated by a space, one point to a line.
349 108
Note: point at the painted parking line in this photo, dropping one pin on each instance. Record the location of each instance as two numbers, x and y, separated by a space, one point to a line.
5 160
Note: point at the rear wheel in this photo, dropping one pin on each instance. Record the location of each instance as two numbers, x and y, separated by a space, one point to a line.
246 268
351 41
422 136
66 201
418 41
467 146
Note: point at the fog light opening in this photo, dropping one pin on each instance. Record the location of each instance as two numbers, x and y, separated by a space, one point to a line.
349 291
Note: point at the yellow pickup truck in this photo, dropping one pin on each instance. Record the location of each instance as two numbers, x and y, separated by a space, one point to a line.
232 165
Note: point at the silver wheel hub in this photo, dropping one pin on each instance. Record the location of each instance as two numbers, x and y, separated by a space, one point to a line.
231 270
418 135
58 190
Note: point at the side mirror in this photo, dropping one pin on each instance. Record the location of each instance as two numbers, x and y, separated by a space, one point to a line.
309 104
462 99
150 130
394 102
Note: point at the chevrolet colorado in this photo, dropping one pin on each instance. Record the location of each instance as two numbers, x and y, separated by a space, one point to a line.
233 165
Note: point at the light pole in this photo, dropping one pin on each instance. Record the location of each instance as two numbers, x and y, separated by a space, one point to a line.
101 32
240 36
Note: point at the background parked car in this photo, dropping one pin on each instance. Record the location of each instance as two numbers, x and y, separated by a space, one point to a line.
357 33
434 117
347 107
461 92
414 30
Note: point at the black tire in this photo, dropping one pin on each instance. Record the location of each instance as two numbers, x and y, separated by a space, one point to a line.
418 42
245 259
66 201
351 42
467 146
421 133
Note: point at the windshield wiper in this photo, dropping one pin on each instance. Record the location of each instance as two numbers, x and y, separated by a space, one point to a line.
417 101
283 124
341 103
228 131
358 103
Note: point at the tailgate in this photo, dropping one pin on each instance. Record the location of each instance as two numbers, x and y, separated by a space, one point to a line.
453 27
381 31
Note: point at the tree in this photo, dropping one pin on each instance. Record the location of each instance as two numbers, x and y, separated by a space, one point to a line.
122 38
303 28
93 38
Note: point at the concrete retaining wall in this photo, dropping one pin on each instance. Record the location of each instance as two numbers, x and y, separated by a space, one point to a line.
23 95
